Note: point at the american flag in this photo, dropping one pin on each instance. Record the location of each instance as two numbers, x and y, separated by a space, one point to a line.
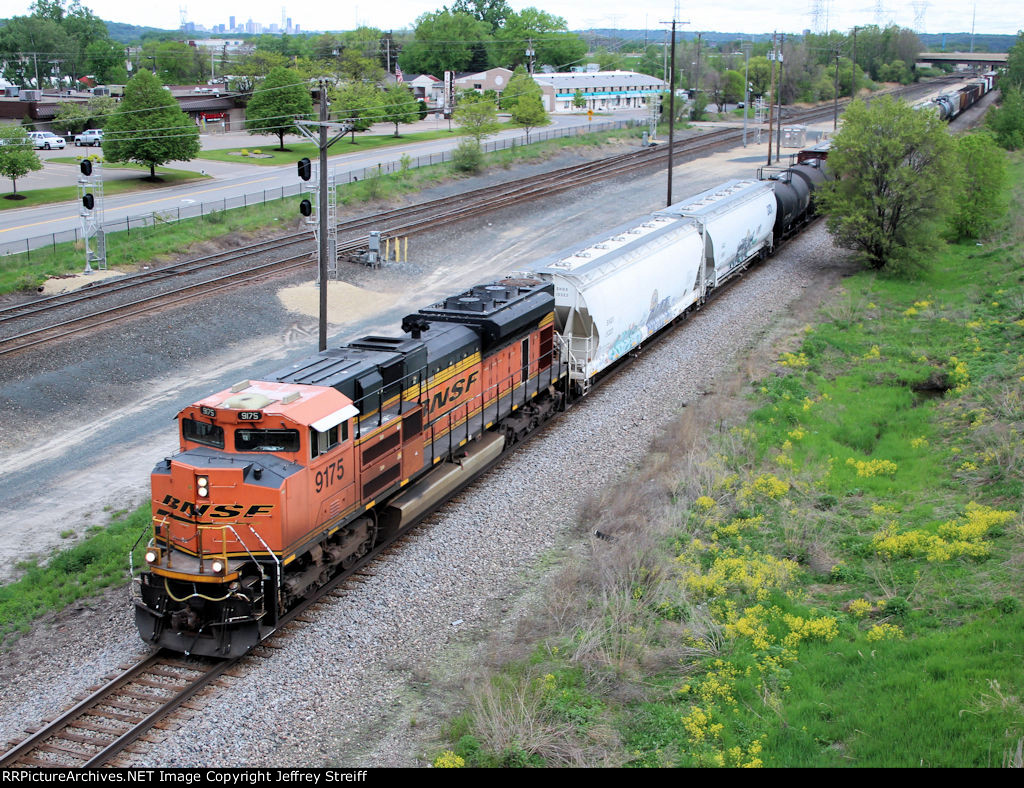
398 74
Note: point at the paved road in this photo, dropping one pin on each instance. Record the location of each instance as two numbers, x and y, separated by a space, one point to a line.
230 181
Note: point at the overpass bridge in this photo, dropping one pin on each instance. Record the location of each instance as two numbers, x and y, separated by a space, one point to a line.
983 59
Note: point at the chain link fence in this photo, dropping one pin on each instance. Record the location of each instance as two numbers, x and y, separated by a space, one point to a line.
342 176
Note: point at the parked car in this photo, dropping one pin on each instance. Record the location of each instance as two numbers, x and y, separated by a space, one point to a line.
46 140
89 137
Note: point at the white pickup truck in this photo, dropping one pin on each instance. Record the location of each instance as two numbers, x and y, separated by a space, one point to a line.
89 137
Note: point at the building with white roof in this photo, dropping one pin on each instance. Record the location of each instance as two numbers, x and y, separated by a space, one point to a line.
602 91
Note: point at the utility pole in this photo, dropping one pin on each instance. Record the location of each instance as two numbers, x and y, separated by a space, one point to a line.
323 144
672 98
835 94
671 110
696 95
746 87
530 52
771 103
778 125
853 74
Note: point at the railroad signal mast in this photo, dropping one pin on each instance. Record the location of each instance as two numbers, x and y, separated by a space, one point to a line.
90 193
324 194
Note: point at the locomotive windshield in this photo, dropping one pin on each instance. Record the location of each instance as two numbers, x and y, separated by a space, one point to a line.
266 440
201 432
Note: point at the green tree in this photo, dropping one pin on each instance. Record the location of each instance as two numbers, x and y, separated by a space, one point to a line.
17 158
760 72
105 61
493 12
1007 120
149 127
354 66
477 117
176 62
894 168
524 99
446 41
281 99
71 116
250 69
399 105
1015 63
978 196
358 103
21 40
549 36
732 86
579 101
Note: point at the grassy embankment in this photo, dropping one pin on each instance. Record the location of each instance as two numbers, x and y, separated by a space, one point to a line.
835 580
167 239
100 560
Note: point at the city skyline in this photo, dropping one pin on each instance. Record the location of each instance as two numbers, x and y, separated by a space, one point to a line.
742 16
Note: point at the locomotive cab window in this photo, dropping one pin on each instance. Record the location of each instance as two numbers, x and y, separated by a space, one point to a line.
266 440
323 442
202 432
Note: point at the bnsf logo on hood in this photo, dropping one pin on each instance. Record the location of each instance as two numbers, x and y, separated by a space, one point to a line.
452 392
223 510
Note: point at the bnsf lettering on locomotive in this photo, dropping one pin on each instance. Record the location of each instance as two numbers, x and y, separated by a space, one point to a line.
452 392
220 511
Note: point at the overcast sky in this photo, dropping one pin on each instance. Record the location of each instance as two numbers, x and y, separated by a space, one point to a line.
740 16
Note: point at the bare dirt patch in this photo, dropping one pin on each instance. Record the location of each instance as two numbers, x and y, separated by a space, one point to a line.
68 282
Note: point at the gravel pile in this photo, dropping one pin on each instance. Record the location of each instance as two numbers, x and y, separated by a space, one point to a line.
348 688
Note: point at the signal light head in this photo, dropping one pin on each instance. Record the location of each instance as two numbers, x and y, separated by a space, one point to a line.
88 201
86 167
305 169
306 208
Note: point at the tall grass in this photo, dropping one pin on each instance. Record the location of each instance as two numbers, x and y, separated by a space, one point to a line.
837 580
97 562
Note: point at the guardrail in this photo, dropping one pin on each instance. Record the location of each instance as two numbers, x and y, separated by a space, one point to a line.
199 210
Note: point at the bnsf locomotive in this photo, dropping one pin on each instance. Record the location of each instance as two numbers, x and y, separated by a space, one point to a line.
280 483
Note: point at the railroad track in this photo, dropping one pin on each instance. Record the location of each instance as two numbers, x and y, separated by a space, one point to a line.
114 716
137 699
396 222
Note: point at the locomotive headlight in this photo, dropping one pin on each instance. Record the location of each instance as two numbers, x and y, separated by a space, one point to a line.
152 556
217 566
202 485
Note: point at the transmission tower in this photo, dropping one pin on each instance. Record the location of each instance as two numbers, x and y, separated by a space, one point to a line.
880 13
920 7
817 16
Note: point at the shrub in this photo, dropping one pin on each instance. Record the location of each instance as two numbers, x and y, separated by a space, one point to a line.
467 156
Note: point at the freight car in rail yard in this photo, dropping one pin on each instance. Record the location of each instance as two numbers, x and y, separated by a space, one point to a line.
284 482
